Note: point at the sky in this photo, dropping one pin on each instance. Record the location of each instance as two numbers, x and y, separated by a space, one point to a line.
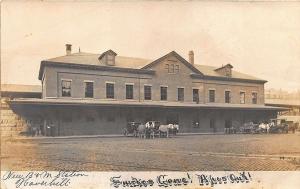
258 38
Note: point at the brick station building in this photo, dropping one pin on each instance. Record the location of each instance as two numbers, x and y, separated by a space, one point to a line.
85 94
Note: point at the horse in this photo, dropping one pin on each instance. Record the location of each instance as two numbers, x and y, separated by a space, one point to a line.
173 128
264 127
152 128
164 129
141 131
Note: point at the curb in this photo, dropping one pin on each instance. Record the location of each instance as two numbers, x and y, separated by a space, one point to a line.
102 136
109 136
69 137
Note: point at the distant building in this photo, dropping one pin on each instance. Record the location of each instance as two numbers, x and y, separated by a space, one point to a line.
282 94
292 113
12 123
285 99
84 93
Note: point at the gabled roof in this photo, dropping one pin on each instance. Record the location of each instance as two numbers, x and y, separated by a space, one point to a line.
140 65
227 65
211 72
92 59
108 52
173 53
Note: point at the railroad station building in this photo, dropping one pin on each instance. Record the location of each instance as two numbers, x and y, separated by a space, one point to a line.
85 94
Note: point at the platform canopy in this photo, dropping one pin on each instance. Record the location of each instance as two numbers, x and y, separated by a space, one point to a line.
133 103
283 102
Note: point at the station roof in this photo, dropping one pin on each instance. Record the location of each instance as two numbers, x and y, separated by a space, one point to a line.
93 59
132 103
83 58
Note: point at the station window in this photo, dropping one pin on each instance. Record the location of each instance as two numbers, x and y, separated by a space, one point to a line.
180 94
167 67
129 91
110 59
196 95
254 98
227 97
212 95
66 88
147 92
89 89
172 68
163 93
110 93
176 68
242 97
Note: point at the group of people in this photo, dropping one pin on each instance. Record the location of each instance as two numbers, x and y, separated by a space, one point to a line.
40 130
261 127
35 131
266 126
152 128
230 130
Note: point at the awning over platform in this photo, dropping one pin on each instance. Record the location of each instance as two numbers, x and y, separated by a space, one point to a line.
134 103
283 102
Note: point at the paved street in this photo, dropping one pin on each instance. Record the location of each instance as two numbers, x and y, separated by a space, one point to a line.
182 153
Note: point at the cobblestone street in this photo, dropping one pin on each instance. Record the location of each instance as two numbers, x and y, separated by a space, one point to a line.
180 153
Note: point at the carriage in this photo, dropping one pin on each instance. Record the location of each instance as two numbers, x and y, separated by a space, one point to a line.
162 130
153 128
131 129
273 126
250 127
278 126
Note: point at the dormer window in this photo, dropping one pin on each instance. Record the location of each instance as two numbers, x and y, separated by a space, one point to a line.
108 58
225 70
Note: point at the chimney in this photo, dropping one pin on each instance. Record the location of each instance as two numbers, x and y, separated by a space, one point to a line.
68 49
191 57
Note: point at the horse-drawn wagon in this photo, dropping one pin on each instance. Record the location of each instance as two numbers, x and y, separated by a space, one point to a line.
278 126
273 126
249 127
154 128
131 129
